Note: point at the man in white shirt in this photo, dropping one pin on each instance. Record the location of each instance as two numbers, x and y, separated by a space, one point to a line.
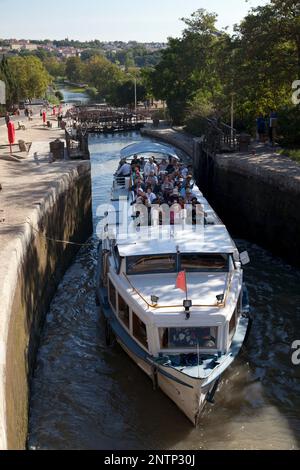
150 196
150 166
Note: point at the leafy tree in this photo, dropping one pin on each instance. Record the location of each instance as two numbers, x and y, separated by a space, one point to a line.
259 62
187 68
103 75
55 67
124 94
11 85
74 69
28 78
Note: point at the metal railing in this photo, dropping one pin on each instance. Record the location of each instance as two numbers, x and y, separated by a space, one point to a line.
219 137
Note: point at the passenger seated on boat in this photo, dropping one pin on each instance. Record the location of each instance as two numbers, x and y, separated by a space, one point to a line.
171 166
135 161
125 170
184 171
142 163
188 182
152 180
136 173
189 196
150 166
151 196
163 166
167 187
138 185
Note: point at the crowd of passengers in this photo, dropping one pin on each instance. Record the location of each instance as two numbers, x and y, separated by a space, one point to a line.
167 182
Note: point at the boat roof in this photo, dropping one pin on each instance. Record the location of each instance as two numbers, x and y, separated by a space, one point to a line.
148 147
163 240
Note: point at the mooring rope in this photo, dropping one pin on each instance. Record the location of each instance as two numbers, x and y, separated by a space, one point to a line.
44 236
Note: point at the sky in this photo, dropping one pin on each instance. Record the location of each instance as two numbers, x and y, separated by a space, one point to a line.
111 20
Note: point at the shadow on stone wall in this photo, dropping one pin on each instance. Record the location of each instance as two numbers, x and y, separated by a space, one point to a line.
40 274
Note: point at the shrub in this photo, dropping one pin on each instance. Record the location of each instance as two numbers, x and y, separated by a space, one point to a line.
289 126
195 121
92 92
59 95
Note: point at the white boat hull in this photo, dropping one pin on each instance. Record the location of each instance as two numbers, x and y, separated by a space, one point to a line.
189 398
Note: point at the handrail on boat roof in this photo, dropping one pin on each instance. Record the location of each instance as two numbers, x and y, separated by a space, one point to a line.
157 307
148 147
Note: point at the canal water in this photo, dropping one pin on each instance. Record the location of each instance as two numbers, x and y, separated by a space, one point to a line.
74 96
88 396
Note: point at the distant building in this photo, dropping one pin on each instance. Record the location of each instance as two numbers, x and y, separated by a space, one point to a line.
23 46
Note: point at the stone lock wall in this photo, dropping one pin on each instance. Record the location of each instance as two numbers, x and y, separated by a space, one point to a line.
65 214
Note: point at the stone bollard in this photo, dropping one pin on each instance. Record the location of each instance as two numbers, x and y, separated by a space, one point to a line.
22 146
244 142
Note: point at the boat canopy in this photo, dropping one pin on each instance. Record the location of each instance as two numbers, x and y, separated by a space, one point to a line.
151 240
148 147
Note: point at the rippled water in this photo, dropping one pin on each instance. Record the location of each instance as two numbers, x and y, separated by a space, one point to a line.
74 97
88 396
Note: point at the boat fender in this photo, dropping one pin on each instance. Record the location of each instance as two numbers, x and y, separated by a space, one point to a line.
210 396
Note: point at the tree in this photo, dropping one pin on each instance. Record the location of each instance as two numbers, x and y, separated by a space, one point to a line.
124 94
287 15
187 69
74 69
103 75
259 62
26 78
6 76
55 67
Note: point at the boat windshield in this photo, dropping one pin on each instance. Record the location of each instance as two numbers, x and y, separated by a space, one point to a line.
196 262
151 264
188 338
193 262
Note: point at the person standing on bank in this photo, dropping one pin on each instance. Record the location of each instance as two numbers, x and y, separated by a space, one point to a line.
272 127
7 119
261 128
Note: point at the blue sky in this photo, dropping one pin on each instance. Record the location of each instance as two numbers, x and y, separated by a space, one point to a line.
107 20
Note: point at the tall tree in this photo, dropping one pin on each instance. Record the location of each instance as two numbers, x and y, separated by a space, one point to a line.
103 75
74 69
187 69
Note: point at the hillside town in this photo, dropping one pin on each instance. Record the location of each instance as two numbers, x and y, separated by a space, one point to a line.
64 49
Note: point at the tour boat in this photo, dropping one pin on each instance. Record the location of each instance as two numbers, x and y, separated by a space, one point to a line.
172 296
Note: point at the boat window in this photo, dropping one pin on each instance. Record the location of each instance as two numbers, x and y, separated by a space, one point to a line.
112 295
204 262
188 338
151 264
139 330
123 312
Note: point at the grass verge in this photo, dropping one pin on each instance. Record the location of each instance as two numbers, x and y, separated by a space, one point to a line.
294 154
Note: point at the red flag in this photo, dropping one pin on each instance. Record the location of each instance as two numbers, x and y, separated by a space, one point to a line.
181 281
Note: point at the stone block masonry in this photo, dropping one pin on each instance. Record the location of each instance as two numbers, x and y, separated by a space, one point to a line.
257 194
41 202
